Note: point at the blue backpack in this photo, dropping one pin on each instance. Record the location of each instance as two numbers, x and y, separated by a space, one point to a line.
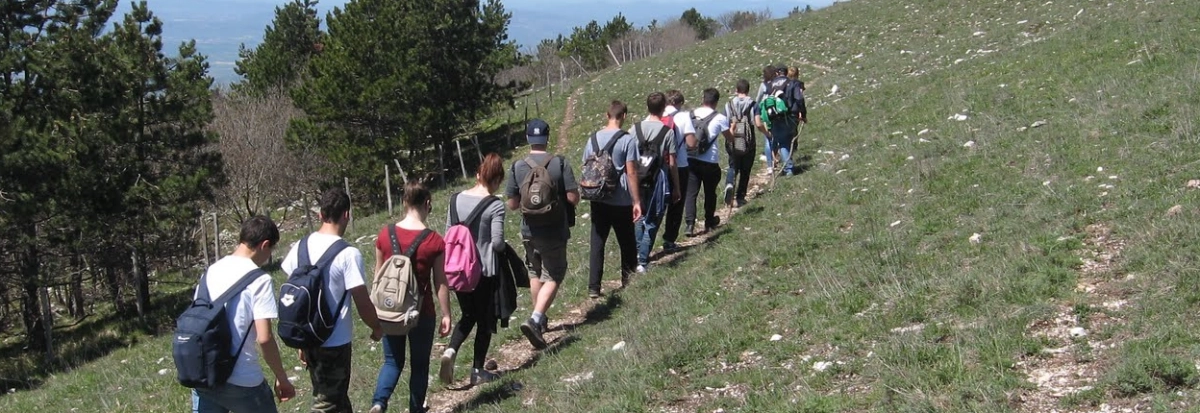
305 321
202 345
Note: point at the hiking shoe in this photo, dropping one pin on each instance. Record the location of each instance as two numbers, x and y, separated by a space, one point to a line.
770 171
691 230
593 293
446 373
533 331
481 376
376 409
728 194
670 247
741 202
641 269
712 224
624 279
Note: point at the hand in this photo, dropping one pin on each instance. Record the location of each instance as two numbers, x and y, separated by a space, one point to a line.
284 389
376 334
675 197
637 211
445 327
303 360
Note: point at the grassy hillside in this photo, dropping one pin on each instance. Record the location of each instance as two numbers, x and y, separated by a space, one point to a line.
998 217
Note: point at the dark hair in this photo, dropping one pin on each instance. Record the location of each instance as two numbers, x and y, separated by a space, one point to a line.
768 73
743 86
656 103
334 203
416 194
675 98
491 171
711 97
257 229
617 110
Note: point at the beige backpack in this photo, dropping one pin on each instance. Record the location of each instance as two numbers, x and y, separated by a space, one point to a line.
394 290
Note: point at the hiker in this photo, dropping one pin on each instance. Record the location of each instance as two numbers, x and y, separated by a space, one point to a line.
782 119
768 154
740 111
619 207
253 308
681 122
794 75
703 161
329 364
657 174
543 187
426 259
483 215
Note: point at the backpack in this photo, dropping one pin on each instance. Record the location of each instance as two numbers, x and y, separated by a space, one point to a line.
540 204
742 131
463 267
778 103
305 321
598 180
202 348
650 161
394 290
703 141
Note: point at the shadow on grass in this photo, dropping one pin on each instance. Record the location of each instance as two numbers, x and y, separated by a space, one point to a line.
87 340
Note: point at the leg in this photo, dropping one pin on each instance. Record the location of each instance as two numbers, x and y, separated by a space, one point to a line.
733 169
745 165
711 177
204 402
389 373
602 218
623 227
237 399
467 320
329 370
642 238
675 210
533 261
768 153
482 301
785 154
420 345
695 170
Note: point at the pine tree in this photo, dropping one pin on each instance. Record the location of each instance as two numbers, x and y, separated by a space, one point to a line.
281 60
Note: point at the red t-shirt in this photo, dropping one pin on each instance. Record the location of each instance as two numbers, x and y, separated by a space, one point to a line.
428 253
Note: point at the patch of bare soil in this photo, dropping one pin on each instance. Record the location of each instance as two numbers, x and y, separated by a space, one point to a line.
568 121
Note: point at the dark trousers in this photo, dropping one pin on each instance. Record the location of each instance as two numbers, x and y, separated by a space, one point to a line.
706 174
675 210
618 219
476 310
739 168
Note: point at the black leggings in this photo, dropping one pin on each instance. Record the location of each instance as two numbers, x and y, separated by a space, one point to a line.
619 219
476 310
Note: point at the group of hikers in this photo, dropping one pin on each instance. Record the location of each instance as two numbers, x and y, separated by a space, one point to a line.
632 177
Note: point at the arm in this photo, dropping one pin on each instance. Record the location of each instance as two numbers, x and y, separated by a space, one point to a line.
443 293
673 175
513 203
573 197
270 353
634 188
366 310
497 227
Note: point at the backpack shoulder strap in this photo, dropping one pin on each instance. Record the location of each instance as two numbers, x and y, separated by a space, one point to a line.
237 287
662 133
595 140
302 258
412 249
394 239
454 210
479 208
332 252
637 129
612 143
549 157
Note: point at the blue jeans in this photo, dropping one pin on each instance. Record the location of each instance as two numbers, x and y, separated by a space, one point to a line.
645 230
782 132
236 399
420 345
767 152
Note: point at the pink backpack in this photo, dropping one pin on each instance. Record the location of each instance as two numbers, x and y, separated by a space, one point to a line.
463 267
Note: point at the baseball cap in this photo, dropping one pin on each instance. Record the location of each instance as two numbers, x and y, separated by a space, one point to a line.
537 132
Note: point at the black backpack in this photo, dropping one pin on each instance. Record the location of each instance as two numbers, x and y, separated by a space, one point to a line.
202 350
651 154
703 141
599 178
304 320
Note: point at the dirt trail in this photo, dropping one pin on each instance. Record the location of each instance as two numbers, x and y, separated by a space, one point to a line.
568 121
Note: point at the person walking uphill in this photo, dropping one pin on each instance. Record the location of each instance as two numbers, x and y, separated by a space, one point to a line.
657 174
543 187
252 307
424 248
782 108
483 215
740 111
681 123
329 363
704 161
610 183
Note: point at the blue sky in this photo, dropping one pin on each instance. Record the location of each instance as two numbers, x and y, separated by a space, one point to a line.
219 26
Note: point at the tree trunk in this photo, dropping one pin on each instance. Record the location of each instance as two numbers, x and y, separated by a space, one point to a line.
30 299
114 287
76 290
141 284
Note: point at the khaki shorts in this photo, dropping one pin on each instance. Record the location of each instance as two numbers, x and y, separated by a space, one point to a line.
546 259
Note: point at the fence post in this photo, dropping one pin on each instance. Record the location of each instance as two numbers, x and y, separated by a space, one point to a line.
351 212
216 238
478 150
403 175
204 240
387 183
461 163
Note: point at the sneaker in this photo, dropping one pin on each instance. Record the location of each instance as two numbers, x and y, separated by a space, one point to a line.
670 247
593 293
691 230
770 171
741 202
533 332
481 376
376 409
641 269
762 158
446 373
729 194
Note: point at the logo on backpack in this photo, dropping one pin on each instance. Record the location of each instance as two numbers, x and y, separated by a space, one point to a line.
704 140
203 349
650 161
463 266
305 320
599 178
394 291
539 194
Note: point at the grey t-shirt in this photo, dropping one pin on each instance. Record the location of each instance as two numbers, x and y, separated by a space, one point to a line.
488 231
626 150
559 170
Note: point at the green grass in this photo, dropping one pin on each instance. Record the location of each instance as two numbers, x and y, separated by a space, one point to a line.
869 240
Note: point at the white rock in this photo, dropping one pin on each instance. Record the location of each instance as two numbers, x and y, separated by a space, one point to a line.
975 238
776 337
1099 169
163 372
298 368
1078 332
160 360
922 132
585 216
844 157
958 117
1045 183
894 224
922 140
821 365
909 158
1022 129
1193 183
978 33
1038 124
969 144
293 378
619 346
1112 177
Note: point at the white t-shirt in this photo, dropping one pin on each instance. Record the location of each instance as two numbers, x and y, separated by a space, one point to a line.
718 125
683 127
256 302
345 273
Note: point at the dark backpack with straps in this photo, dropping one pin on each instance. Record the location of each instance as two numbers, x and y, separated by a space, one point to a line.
394 291
598 180
539 191
305 320
203 349
704 141
650 161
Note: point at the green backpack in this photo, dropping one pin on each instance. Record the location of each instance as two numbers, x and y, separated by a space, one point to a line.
771 107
